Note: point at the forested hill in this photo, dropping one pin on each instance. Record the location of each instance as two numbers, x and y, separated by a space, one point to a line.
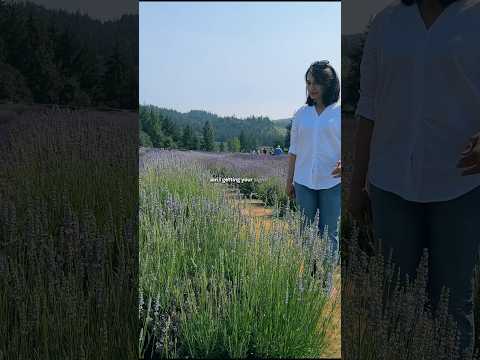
252 131
53 56
282 123
262 128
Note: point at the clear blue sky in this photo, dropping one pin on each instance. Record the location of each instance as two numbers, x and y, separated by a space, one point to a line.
242 58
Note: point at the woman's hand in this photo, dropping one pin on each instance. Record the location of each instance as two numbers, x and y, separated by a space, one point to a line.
470 157
337 172
290 190
358 205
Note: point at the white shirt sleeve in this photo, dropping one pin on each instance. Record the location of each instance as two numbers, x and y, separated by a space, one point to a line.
293 136
368 73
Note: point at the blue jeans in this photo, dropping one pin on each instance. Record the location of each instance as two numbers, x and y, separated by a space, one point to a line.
328 204
449 230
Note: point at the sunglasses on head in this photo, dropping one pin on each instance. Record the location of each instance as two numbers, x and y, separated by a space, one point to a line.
322 63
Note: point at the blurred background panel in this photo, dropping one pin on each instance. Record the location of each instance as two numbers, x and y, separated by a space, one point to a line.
69 180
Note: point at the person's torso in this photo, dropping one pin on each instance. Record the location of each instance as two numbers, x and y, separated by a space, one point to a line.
427 101
318 146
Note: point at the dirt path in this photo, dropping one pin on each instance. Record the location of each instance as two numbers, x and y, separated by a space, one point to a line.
263 216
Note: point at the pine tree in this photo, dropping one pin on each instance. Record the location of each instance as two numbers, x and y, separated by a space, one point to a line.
187 137
167 125
243 141
84 67
39 67
14 33
175 133
114 79
208 137
196 143
65 51
145 140
153 127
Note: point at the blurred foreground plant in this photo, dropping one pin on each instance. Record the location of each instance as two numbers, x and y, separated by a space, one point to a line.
68 249
385 317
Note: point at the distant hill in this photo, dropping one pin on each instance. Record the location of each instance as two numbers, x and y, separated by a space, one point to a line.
172 129
264 130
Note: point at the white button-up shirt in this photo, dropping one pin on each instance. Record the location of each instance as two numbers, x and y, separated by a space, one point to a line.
316 142
421 87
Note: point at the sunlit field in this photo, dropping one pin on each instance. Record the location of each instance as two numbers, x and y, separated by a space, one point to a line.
216 282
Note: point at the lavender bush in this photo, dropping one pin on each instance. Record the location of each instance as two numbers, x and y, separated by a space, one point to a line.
68 250
385 317
214 283
268 173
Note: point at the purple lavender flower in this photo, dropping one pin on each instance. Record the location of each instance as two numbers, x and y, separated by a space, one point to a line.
172 205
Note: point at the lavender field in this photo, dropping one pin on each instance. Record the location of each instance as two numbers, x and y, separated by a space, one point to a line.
214 284
68 249
264 176
240 164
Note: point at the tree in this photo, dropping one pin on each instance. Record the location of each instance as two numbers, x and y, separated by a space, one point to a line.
196 143
187 137
68 58
170 129
65 51
145 140
115 79
286 143
208 137
234 144
40 70
85 69
222 147
243 141
13 86
168 142
176 133
152 125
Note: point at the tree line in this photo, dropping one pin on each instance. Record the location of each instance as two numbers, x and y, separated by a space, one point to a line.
56 57
159 129
257 130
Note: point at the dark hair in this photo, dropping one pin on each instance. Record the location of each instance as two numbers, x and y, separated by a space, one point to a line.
325 76
444 3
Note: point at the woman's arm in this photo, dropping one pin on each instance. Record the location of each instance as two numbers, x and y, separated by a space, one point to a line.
291 171
365 117
358 196
292 157
362 152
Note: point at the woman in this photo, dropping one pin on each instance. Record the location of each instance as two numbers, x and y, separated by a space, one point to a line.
314 165
419 105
